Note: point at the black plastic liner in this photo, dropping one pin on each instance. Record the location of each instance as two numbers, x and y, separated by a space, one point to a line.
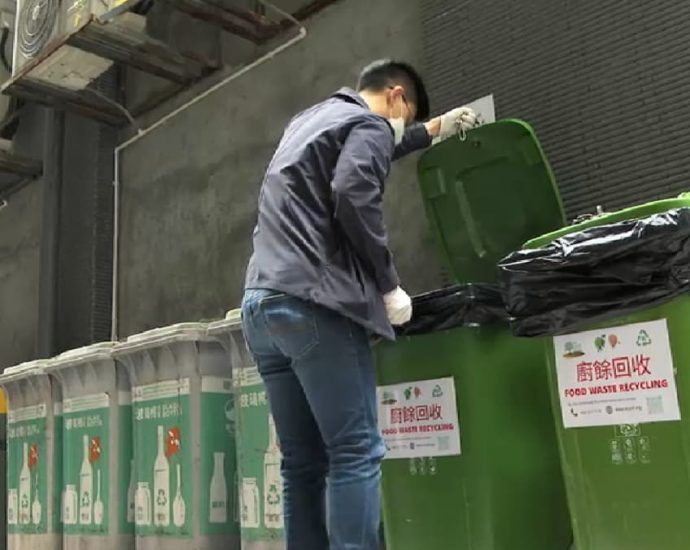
597 274
467 305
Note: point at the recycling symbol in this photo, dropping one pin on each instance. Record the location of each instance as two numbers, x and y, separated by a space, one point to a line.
643 339
273 496
437 392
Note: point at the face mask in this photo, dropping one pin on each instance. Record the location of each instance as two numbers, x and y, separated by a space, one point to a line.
398 124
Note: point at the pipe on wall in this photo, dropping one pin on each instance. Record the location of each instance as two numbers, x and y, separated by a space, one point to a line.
50 232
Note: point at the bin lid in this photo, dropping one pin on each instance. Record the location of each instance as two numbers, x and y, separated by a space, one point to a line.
94 352
158 337
633 213
232 321
487 195
24 370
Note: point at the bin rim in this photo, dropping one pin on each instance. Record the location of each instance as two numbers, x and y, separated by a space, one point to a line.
24 370
94 352
635 212
162 336
231 322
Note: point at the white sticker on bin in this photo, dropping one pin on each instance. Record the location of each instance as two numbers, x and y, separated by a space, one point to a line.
419 419
619 375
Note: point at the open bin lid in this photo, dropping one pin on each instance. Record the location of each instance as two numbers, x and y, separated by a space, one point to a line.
487 195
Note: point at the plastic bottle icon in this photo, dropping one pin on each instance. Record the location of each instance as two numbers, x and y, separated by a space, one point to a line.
12 505
70 505
130 493
250 504
179 508
25 488
161 484
219 491
98 508
86 487
142 504
36 509
273 481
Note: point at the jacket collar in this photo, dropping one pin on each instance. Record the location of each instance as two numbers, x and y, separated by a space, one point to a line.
349 95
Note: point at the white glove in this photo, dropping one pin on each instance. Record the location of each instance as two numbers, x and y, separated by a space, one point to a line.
398 307
457 121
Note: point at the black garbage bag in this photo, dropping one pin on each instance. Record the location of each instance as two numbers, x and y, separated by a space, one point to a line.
597 274
468 305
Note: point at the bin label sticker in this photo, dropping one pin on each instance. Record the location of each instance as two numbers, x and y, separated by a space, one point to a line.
163 459
85 498
618 376
259 481
220 494
419 420
27 471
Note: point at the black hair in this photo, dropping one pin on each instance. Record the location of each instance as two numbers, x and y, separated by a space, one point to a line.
381 74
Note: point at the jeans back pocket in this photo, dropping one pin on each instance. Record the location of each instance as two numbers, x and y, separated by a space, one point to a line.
291 324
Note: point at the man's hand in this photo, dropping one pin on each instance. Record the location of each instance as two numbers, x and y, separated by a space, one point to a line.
398 307
456 121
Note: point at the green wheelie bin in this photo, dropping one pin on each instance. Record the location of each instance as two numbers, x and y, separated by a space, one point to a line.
611 294
472 459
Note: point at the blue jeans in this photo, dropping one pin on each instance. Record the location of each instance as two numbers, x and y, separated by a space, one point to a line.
318 370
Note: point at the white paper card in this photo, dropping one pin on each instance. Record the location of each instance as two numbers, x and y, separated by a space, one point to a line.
419 419
621 375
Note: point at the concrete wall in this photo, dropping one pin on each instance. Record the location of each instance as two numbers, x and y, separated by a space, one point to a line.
20 229
190 189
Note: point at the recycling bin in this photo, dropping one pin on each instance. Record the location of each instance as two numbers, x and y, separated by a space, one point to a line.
34 457
611 296
97 495
185 492
258 454
472 457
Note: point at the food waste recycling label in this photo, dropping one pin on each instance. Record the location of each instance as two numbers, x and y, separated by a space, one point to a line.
419 419
619 375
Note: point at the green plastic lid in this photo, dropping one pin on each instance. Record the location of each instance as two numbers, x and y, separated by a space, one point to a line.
487 195
634 213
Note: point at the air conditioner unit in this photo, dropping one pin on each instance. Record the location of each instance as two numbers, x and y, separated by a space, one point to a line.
42 32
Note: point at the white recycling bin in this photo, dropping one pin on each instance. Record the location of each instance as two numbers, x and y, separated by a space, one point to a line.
185 494
97 496
34 457
258 452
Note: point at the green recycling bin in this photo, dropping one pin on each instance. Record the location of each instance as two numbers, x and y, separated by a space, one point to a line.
472 459
619 382
258 454
184 440
34 457
97 496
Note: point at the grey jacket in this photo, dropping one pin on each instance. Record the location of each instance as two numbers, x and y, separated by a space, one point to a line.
320 235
